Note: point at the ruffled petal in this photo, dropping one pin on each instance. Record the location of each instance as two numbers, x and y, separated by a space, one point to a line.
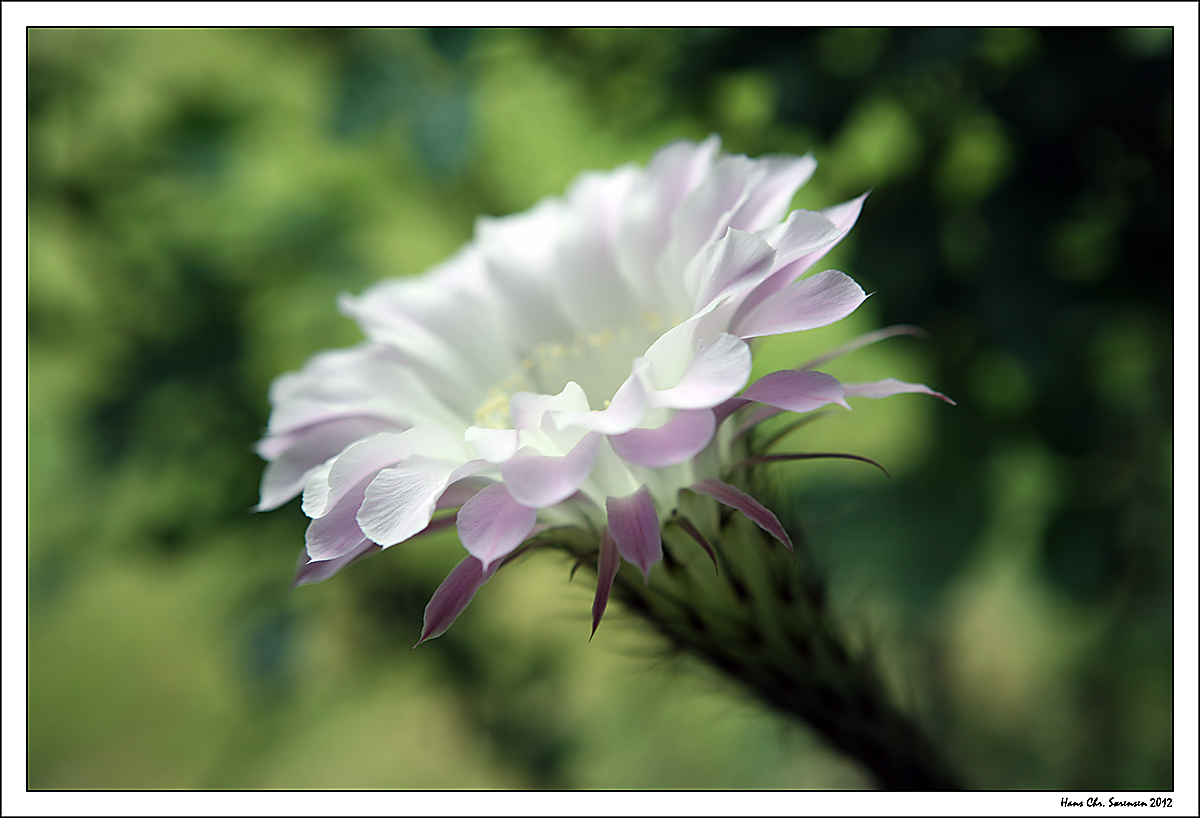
797 390
454 595
606 572
539 480
888 387
809 303
633 522
296 454
367 457
681 438
400 501
491 524
715 373
743 502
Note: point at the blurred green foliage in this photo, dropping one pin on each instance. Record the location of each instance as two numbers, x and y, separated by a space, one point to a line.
197 199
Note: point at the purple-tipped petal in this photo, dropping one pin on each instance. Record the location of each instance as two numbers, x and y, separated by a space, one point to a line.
454 595
743 502
681 438
809 303
797 391
888 387
633 521
491 524
309 570
609 562
539 481
714 374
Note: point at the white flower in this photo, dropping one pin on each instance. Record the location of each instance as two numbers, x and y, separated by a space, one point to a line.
572 365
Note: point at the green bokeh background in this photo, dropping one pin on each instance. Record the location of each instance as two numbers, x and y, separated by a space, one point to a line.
197 200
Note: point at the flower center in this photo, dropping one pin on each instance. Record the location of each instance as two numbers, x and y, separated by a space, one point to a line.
599 362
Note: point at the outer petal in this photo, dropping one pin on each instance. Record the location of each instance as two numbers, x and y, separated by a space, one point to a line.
400 501
633 522
609 563
888 387
715 373
797 391
309 570
539 481
491 524
743 502
454 595
809 303
337 533
681 438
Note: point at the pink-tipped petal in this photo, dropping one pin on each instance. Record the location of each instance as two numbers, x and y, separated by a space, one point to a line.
797 391
715 373
454 595
743 502
681 438
633 522
609 562
809 303
491 524
888 387
539 481
309 570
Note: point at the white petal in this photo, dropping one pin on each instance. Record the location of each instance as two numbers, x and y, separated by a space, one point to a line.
715 373
809 303
367 457
400 501
493 445
739 261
